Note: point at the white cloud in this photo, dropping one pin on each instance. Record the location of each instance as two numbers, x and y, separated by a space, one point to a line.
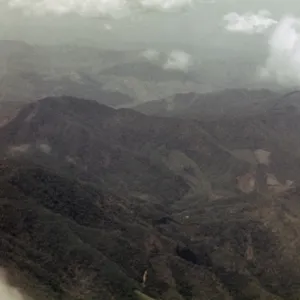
63 7
166 5
151 54
283 63
107 26
113 8
249 23
178 60
175 60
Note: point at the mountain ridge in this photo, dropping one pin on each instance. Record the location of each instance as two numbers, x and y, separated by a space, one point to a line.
89 194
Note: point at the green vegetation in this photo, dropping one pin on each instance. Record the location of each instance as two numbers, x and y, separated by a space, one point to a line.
146 206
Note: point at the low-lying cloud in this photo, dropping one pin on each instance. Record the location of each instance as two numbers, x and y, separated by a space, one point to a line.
151 54
174 60
113 8
283 63
178 60
249 23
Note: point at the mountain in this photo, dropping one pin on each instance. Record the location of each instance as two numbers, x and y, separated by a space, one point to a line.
215 105
105 203
30 72
8 110
38 86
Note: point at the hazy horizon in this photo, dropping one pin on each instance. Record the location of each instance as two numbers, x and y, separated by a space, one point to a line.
261 32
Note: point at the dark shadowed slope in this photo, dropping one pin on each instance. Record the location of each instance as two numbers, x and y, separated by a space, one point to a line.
102 203
101 144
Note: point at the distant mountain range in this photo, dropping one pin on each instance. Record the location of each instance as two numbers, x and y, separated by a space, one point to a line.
30 72
222 104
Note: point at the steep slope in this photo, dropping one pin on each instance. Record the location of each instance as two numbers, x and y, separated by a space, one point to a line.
45 224
102 144
88 139
74 241
69 240
8 110
178 209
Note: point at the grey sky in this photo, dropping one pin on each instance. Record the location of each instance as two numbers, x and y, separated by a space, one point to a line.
188 26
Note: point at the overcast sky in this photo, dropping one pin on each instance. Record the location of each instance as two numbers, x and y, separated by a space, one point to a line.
185 21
